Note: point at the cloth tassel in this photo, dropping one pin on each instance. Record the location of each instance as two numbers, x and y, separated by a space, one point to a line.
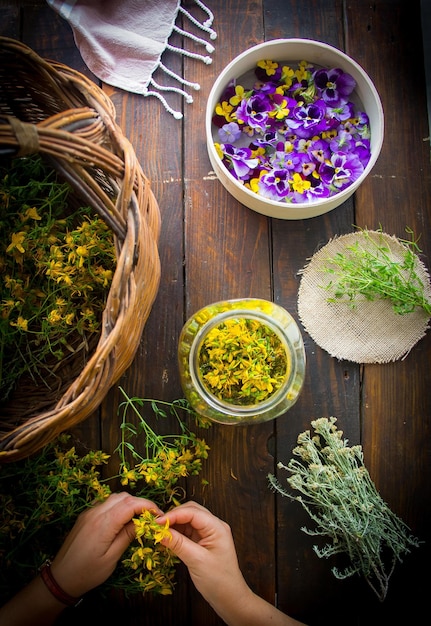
123 43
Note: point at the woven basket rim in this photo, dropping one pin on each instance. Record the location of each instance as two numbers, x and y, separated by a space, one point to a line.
80 136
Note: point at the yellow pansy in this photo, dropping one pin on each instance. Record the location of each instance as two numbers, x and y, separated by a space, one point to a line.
299 184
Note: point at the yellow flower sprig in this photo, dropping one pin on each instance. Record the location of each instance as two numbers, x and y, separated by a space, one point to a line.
156 469
56 267
243 361
154 563
41 497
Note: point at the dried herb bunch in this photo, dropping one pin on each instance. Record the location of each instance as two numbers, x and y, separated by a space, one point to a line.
243 361
56 264
40 497
369 269
342 500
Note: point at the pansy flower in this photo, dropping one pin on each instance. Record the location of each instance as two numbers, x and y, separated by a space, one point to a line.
255 111
363 150
268 70
334 85
343 141
308 119
268 140
240 159
229 133
293 135
319 150
342 170
285 160
341 113
275 184
320 191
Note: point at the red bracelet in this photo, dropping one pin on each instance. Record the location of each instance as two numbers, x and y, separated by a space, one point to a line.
54 587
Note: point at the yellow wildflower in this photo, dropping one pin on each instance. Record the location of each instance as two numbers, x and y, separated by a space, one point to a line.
32 213
69 318
162 533
6 307
146 526
17 240
201 448
63 486
53 268
54 317
128 475
106 276
20 323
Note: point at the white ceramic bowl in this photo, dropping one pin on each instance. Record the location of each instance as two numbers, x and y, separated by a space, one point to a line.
293 51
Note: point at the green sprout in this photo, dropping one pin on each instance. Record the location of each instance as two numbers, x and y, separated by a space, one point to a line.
368 268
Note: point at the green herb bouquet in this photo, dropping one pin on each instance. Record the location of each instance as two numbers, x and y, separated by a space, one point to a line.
340 497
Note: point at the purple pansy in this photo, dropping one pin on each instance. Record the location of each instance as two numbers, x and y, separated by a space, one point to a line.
308 119
268 140
285 160
363 150
229 133
334 85
342 112
241 160
318 192
275 184
342 170
342 142
319 150
293 142
255 111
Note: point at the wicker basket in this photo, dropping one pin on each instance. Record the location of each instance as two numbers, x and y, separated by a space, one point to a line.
48 108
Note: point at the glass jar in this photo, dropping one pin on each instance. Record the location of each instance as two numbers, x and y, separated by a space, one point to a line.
277 322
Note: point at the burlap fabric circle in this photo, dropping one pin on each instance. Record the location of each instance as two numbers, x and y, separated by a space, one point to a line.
369 333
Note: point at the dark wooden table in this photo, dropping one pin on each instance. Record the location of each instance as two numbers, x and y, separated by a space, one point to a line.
213 248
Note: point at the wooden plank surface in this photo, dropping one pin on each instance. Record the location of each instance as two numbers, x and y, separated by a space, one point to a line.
212 248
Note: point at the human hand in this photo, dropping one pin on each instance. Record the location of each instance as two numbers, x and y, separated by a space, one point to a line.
99 537
205 544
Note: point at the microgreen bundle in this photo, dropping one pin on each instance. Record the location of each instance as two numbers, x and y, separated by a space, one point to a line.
369 269
41 497
292 135
243 361
56 265
342 500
